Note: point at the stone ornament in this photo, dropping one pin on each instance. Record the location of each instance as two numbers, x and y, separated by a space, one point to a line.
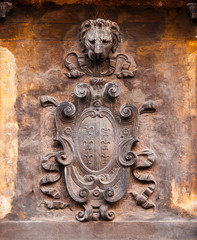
99 40
97 140
5 7
192 8
96 150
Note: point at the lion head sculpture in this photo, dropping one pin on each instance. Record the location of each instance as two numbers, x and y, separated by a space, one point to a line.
99 38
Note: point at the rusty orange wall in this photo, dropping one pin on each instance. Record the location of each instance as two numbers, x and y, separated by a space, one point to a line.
33 43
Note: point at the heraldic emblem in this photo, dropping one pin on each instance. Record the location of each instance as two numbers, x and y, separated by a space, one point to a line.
97 140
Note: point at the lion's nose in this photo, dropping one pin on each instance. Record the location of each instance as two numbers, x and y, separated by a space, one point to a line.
98 48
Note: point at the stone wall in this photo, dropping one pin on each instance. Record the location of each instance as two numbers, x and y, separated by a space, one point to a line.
33 44
144 3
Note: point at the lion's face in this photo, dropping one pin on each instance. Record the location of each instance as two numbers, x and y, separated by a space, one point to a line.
99 38
98 43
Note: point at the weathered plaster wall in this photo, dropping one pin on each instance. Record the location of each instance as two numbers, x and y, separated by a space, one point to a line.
163 43
8 130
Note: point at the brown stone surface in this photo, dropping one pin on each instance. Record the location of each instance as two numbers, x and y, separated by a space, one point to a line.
163 43
140 230
155 3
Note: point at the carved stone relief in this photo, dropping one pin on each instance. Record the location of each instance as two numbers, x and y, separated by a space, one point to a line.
192 8
5 7
99 40
97 140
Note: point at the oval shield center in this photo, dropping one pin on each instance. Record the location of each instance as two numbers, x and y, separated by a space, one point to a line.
96 142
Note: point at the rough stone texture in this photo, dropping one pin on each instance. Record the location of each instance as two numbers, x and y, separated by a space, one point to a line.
163 43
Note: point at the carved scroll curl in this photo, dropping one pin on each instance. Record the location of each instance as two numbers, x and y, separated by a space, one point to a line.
148 107
47 101
105 213
126 158
68 109
113 89
52 192
86 215
108 194
81 90
63 158
126 110
142 199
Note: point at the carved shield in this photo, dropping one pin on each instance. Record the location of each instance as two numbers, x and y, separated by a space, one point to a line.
96 144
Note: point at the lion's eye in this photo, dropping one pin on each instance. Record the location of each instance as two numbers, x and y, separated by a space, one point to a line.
87 25
114 28
106 41
92 41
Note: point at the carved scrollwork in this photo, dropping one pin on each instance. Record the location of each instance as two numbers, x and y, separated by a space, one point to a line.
126 110
63 158
96 153
127 158
47 101
52 192
105 213
113 89
108 194
81 90
50 178
89 214
83 193
86 215
142 198
130 158
68 131
148 107
68 109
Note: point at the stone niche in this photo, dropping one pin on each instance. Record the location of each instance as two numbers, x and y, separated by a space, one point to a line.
156 80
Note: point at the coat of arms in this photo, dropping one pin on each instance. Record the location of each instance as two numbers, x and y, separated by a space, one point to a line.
96 138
